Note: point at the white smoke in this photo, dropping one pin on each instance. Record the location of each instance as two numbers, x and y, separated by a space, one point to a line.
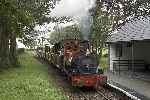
79 10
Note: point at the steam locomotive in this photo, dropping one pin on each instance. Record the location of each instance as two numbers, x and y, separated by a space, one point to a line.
74 58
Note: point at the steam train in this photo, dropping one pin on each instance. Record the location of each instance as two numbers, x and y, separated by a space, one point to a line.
74 58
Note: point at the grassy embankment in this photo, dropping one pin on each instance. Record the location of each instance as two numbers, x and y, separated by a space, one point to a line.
30 81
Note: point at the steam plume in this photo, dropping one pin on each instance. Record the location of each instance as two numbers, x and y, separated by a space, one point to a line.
79 10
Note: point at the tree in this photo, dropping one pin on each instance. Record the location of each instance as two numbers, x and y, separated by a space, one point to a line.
124 10
69 32
101 27
16 17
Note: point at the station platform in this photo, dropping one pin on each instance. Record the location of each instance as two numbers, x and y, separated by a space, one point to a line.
135 86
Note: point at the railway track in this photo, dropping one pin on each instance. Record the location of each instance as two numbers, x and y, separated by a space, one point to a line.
83 96
101 94
97 96
105 93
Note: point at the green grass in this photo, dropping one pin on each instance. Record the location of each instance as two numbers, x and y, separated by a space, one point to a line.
30 81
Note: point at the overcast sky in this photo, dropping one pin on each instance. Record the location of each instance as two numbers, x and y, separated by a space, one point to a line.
72 7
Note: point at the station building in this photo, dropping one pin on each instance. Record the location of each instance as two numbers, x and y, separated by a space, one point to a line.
129 55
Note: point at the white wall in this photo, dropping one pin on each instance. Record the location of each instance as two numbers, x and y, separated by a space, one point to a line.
112 55
141 52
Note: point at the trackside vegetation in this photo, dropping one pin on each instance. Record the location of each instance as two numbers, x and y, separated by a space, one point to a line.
30 81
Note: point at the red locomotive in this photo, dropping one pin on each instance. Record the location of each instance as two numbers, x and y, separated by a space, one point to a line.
74 58
82 66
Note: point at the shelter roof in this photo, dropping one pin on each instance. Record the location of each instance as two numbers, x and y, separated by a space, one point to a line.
136 29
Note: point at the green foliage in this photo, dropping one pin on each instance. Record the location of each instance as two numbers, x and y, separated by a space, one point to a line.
105 55
20 50
104 63
102 26
69 32
30 81
124 10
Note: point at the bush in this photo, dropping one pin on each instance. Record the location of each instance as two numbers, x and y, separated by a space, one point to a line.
20 50
105 55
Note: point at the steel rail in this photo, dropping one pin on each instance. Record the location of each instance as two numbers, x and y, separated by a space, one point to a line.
84 96
103 94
